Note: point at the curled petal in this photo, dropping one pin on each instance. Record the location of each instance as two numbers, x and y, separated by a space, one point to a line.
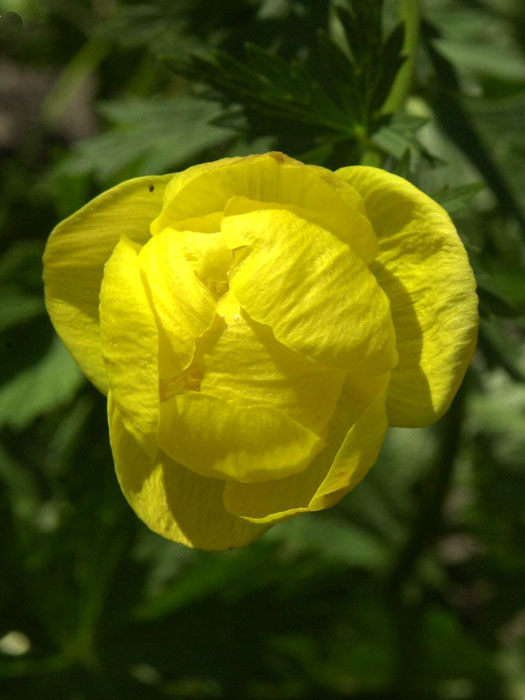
246 365
74 261
207 254
194 200
423 267
173 501
183 304
355 437
314 291
130 344
247 443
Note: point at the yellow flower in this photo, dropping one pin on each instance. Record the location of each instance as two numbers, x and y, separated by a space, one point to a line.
256 324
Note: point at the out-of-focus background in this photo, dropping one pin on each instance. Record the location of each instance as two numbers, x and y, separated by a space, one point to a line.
414 586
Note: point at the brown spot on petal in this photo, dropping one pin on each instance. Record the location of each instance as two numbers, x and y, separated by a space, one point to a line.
278 156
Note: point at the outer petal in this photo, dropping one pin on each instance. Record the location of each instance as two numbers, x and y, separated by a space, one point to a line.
315 293
247 366
247 443
423 267
74 262
353 443
184 306
194 199
130 344
356 455
171 500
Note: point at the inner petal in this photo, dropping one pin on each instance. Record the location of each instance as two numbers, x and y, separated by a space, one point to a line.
314 291
183 304
246 365
195 201
354 439
130 344
245 443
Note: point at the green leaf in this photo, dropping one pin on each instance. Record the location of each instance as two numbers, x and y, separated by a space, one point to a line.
147 136
362 25
338 74
333 539
398 138
21 284
41 387
493 303
497 61
18 307
498 351
22 265
270 67
455 199
390 62
329 95
458 124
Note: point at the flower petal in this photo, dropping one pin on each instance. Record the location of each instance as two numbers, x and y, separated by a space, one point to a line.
208 255
355 437
74 262
247 366
315 293
184 306
338 224
423 267
248 443
356 455
129 338
193 200
172 501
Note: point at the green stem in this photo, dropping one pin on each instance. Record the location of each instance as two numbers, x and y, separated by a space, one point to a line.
410 15
372 156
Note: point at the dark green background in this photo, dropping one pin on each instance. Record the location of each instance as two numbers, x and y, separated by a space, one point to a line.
414 586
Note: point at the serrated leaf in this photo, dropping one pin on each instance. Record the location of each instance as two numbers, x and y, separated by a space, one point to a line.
353 33
338 73
147 136
393 45
295 98
271 66
362 25
402 166
455 199
400 135
390 63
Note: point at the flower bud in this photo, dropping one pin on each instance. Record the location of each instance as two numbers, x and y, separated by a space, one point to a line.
257 323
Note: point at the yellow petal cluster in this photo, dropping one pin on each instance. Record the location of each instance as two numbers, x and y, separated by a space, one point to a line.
256 324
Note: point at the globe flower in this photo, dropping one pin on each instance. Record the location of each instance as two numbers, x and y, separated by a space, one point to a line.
256 324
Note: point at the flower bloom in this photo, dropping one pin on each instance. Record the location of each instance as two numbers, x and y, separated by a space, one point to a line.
256 324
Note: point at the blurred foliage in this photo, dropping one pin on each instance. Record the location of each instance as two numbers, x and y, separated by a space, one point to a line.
413 587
